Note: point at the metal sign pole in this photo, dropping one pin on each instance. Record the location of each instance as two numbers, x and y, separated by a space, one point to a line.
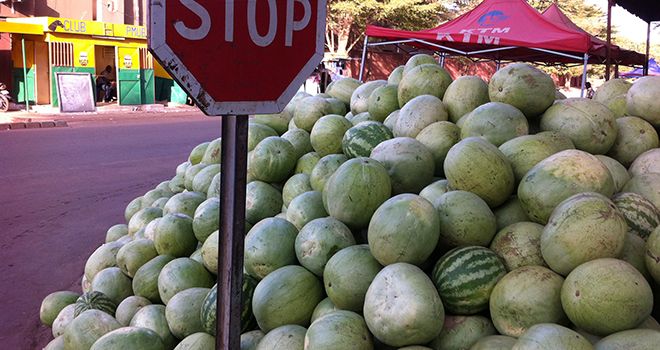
232 230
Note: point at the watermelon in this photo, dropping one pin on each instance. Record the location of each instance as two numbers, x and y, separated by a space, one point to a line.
209 251
286 337
360 97
419 113
115 232
55 344
343 89
417 60
188 178
523 86
182 312
278 122
647 162
134 254
634 253
272 160
524 152
113 283
509 213
630 339
434 191
652 256
202 180
181 274
87 328
63 319
558 177
464 95
494 342
465 219
405 228
635 136
546 336
648 185
197 153
268 246
618 172
642 100
53 303
128 308
319 240
613 94
359 140
409 163
288 295
175 236
206 219
300 140
142 218
306 163
524 297
641 215
258 132
250 340
309 110
127 338
323 308
606 295
496 122
583 227
395 75
305 208
294 186
383 101
153 317
327 134
465 277
347 276
336 106
461 332
145 281
391 119
438 138
133 207
176 184
477 166
208 309
95 300
341 329
402 307
354 192
197 341
424 79
519 244
213 152
184 203
261 201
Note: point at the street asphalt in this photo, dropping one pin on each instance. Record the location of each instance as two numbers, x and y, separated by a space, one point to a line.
60 190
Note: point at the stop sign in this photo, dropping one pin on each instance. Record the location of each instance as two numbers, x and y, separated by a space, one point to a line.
240 56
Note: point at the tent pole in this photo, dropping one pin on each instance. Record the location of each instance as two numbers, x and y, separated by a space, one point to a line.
609 40
584 75
442 60
364 56
25 81
648 45
497 65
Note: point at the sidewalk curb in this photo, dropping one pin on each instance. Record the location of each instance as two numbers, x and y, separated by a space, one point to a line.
33 125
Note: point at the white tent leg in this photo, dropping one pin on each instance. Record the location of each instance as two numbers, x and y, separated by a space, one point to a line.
584 75
364 57
442 59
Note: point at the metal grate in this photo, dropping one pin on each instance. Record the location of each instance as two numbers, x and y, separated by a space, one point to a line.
61 54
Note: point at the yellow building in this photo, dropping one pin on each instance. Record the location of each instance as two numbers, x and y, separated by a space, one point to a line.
47 45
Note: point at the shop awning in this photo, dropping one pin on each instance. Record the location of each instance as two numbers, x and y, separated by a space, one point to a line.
21 28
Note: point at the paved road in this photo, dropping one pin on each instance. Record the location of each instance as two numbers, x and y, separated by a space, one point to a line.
60 190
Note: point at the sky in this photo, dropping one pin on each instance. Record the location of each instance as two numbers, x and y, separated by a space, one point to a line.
630 25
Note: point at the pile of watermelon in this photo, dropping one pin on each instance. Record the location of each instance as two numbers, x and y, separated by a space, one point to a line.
419 212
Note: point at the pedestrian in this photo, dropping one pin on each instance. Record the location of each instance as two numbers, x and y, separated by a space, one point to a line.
105 83
324 78
590 90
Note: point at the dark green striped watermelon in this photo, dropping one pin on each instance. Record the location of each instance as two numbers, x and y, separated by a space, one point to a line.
641 215
362 138
465 277
95 300
208 315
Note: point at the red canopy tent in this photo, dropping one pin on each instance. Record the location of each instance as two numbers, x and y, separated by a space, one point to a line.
496 30
598 47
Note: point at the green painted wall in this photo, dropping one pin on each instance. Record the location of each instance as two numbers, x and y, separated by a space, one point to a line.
169 90
147 83
18 83
129 87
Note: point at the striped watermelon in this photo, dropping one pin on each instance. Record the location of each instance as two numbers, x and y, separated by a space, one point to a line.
94 300
208 309
465 277
362 138
641 215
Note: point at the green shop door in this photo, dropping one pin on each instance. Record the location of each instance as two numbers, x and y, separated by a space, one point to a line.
135 76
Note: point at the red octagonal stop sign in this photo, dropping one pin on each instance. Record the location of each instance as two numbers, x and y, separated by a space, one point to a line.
241 56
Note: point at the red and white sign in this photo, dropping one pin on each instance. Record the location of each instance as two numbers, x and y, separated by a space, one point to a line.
240 56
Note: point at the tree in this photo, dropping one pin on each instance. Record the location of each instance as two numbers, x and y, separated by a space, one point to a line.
347 19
